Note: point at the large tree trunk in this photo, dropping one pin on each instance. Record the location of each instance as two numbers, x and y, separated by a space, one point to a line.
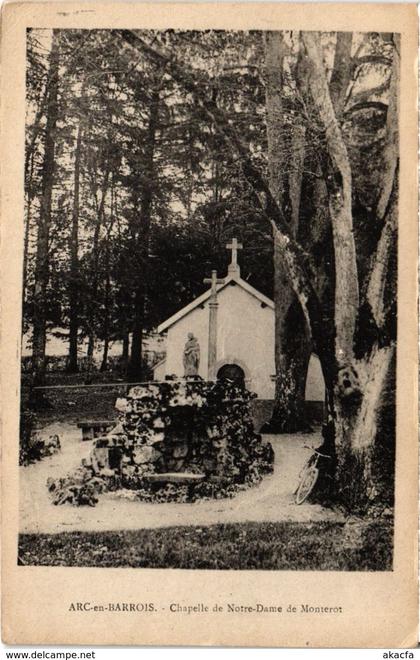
44 219
135 368
360 371
285 162
365 433
293 351
74 260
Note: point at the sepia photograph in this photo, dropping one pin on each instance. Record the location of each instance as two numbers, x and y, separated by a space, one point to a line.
209 312
209 324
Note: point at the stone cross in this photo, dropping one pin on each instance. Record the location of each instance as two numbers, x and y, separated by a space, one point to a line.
213 305
234 246
214 281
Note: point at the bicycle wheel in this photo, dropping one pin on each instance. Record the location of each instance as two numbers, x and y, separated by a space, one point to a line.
306 485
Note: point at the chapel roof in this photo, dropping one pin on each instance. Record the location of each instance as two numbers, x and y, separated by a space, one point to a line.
232 276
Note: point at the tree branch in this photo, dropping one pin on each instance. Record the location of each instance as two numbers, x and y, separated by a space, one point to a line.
365 105
365 97
342 71
375 292
293 252
387 206
370 59
391 147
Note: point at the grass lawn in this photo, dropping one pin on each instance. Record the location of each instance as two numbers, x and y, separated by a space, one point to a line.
266 546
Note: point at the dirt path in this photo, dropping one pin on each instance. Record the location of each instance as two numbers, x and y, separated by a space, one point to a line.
271 501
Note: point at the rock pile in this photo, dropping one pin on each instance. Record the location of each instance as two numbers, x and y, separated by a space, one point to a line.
38 447
175 441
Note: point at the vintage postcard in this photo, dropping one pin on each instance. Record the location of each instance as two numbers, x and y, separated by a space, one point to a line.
209 324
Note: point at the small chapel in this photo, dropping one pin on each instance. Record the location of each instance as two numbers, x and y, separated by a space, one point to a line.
233 325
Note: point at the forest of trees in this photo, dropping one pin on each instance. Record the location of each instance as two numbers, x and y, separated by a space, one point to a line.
131 195
147 150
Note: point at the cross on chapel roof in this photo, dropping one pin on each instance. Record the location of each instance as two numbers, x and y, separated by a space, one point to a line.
233 266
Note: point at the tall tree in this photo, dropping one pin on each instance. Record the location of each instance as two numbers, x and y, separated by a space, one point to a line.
74 278
286 147
360 362
44 218
140 227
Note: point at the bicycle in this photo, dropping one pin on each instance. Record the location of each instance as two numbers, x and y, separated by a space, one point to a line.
308 476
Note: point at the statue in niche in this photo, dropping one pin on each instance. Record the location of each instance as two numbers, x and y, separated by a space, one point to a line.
191 356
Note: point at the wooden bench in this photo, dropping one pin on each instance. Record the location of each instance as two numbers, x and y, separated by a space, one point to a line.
94 428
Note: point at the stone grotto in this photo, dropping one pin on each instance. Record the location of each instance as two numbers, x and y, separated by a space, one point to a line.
177 440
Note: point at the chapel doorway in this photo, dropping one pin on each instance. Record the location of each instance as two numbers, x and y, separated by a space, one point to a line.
232 372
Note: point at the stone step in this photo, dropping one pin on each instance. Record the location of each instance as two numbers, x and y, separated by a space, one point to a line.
174 477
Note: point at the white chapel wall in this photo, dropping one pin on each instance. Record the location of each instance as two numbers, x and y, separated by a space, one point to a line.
246 334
